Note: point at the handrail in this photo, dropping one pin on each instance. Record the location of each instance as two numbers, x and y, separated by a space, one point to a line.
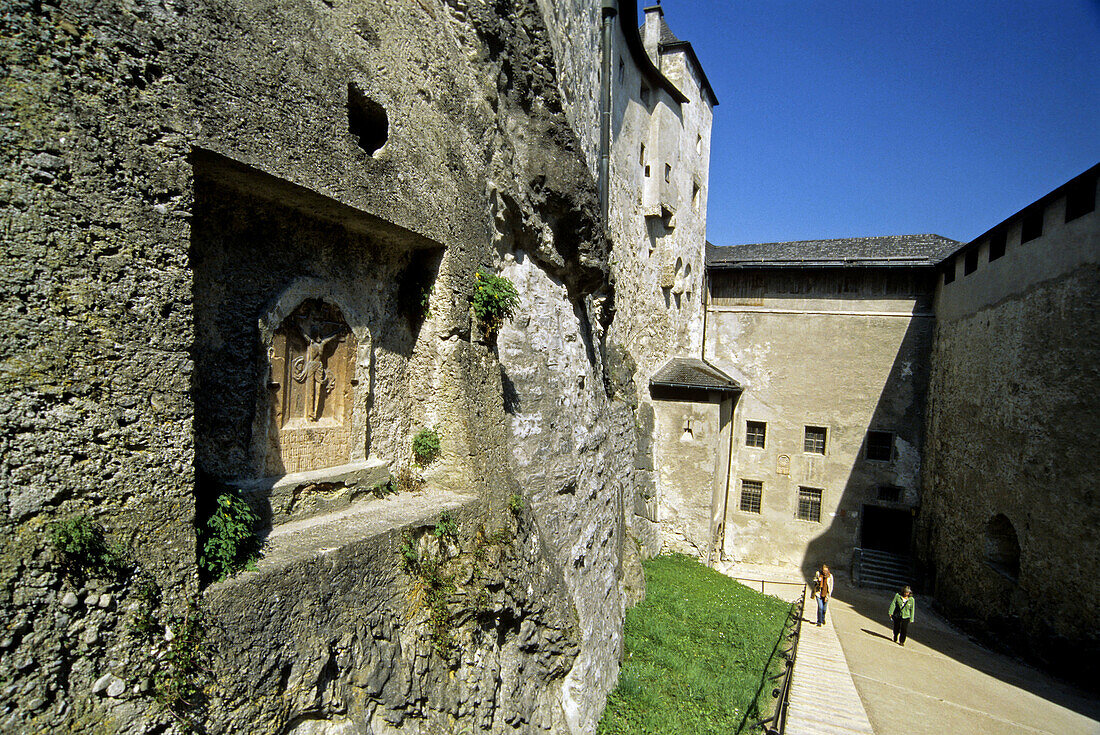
777 723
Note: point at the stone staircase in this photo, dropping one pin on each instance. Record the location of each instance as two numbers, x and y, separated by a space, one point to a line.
883 570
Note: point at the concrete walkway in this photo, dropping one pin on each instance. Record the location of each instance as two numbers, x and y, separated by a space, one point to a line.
941 682
823 699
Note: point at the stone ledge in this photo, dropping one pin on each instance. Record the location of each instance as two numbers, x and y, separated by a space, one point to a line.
279 500
320 535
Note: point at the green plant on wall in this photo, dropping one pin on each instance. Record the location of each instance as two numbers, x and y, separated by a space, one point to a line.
83 547
494 300
227 542
426 445
179 678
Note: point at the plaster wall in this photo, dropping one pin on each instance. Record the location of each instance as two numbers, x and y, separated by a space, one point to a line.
692 452
658 228
849 363
1011 431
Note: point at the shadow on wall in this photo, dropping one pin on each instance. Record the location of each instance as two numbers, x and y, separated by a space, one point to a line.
355 286
880 497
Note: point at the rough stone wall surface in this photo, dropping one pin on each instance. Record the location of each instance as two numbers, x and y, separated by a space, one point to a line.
659 232
845 364
127 253
572 448
1011 431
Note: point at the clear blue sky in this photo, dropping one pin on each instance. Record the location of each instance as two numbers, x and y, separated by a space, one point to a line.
857 118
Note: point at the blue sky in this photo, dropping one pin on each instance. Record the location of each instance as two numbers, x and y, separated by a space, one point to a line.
842 119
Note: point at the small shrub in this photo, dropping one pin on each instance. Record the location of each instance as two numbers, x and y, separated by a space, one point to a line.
446 527
84 549
409 554
515 504
425 446
144 623
178 680
228 542
494 300
383 489
407 481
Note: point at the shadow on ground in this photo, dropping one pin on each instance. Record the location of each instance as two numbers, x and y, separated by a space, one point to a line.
934 632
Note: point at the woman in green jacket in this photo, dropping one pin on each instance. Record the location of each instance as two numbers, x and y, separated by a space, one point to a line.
903 610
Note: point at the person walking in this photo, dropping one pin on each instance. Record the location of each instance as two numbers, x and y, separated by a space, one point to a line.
903 610
823 590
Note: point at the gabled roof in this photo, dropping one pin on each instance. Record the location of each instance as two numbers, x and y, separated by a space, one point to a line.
667 41
691 372
890 251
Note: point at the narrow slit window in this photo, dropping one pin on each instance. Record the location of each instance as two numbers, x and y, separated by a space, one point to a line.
970 261
1080 200
809 504
949 271
1032 225
668 172
751 493
996 246
815 440
695 196
641 155
755 433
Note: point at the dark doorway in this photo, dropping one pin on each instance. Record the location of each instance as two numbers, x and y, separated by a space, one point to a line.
886 529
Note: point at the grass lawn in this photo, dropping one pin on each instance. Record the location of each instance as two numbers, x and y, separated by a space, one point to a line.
696 650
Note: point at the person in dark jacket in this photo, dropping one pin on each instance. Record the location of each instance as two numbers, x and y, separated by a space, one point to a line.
903 610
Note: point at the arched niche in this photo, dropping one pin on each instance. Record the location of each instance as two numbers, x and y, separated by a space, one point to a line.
1002 546
312 403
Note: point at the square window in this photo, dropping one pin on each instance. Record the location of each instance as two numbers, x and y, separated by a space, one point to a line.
1080 199
889 493
815 440
970 261
880 445
751 492
809 504
1032 225
755 432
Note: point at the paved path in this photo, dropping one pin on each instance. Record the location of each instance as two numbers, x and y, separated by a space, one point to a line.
942 683
823 699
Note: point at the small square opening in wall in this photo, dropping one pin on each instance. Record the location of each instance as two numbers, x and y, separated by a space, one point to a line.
1080 199
889 493
809 504
755 433
1032 225
814 442
751 493
970 261
880 445
996 245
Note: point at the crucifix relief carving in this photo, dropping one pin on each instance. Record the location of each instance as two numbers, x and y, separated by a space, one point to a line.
312 360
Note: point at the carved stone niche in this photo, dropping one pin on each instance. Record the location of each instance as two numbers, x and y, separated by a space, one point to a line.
312 360
312 412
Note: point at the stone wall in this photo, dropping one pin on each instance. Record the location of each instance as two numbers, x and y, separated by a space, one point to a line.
169 172
1011 430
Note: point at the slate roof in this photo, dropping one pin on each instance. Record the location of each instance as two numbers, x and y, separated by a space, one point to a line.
691 372
890 251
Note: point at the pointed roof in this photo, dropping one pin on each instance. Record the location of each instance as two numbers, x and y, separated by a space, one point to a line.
691 372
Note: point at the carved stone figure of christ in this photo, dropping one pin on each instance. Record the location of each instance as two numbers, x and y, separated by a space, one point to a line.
312 367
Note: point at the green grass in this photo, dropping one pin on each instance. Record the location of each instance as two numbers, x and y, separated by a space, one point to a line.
696 651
